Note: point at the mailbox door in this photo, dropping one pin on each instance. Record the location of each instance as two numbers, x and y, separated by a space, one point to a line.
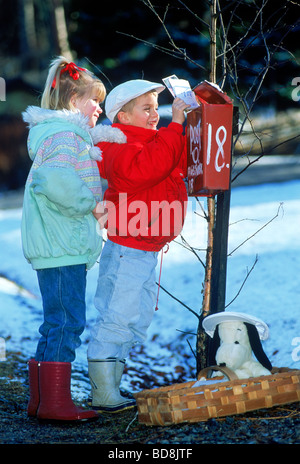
194 151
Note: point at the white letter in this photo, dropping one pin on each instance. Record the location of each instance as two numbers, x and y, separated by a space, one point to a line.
295 95
2 89
296 351
141 218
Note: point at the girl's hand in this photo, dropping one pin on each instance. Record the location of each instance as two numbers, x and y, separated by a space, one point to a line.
178 108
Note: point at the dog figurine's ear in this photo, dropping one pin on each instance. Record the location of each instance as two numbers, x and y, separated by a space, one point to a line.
213 346
257 346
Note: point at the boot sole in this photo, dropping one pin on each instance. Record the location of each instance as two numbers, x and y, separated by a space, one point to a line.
113 409
66 421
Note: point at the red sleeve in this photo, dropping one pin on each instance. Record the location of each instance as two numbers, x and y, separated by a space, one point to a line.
183 159
136 166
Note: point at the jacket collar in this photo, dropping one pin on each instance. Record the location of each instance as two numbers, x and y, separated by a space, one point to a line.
35 115
100 133
132 132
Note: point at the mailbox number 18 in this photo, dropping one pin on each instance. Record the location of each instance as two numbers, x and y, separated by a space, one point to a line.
221 136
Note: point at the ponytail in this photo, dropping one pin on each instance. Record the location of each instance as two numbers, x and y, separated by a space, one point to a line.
66 80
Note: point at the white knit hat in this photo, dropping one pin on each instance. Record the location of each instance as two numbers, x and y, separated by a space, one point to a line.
209 323
127 91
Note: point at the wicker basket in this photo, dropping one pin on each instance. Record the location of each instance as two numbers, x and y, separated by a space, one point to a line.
184 403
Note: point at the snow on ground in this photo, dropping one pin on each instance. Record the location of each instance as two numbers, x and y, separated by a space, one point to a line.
271 292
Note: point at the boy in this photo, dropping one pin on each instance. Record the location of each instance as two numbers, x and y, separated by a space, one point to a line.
146 201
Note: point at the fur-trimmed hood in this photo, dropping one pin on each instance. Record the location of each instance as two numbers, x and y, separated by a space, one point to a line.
35 115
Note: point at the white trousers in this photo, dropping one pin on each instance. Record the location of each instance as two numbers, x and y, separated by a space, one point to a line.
125 299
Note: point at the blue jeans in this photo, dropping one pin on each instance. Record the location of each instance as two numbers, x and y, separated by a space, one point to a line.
63 294
125 299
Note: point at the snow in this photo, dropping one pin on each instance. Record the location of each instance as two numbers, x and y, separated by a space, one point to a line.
271 292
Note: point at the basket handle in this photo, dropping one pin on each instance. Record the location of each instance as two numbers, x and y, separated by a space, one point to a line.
207 372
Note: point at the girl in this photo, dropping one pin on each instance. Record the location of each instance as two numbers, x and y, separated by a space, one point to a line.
59 233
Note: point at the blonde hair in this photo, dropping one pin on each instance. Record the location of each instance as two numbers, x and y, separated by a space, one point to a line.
61 86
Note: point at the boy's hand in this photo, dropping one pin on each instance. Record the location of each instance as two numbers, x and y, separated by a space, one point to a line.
178 108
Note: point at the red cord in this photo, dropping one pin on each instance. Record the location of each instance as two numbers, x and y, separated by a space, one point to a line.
161 261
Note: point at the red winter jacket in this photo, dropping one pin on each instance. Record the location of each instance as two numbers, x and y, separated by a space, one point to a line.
146 196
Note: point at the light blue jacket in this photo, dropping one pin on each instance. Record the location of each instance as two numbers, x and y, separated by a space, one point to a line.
63 186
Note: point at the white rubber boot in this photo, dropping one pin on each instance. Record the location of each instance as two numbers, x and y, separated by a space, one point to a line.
120 365
105 376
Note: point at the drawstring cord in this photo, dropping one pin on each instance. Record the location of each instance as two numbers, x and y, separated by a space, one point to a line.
161 261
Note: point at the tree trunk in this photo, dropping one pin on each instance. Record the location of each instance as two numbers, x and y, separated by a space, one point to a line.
61 30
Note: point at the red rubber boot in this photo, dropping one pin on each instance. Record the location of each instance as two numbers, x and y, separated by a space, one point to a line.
34 395
55 394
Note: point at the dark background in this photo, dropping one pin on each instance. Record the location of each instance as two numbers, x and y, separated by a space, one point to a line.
125 41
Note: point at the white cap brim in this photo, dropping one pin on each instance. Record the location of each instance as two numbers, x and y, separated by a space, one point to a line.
126 92
209 323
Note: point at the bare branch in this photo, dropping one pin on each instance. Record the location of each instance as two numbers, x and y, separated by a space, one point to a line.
263 154
194 14
243 283
174 50
179 301
192 249
253 235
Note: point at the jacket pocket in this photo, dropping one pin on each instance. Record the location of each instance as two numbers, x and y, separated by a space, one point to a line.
62 235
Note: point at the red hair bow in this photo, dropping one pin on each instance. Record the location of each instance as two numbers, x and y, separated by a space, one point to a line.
73 69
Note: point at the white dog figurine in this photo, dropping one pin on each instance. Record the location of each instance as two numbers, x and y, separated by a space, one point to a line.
235 337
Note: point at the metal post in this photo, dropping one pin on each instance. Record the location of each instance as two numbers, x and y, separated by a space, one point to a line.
220 250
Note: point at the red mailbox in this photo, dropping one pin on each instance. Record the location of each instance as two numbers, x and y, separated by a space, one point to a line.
209 133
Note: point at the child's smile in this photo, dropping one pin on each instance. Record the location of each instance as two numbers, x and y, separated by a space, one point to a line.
144 113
